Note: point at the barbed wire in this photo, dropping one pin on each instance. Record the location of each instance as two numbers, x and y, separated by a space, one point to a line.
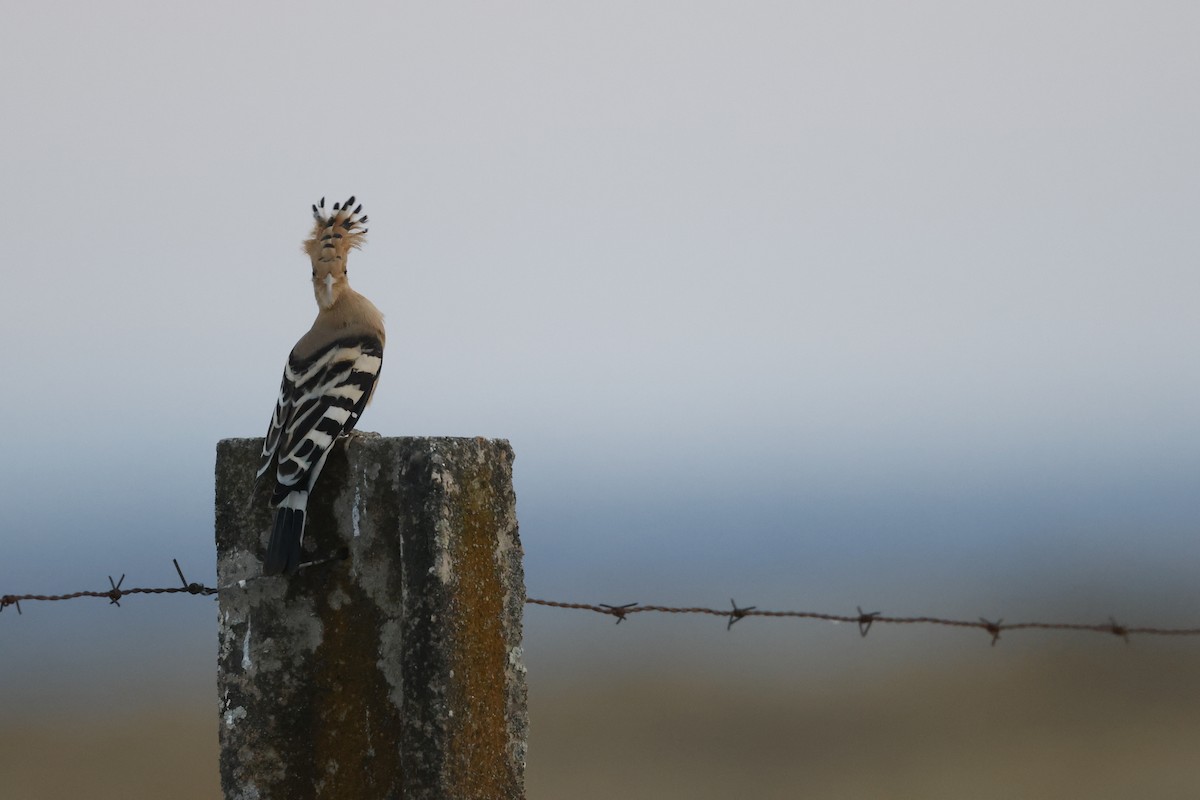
865 619
114 593
862 619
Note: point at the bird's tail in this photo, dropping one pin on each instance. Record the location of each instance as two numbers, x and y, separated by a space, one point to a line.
336 231
283 551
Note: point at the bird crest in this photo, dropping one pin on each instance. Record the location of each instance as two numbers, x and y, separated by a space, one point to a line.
336 231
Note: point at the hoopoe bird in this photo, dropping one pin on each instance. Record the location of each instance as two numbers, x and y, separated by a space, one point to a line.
328 381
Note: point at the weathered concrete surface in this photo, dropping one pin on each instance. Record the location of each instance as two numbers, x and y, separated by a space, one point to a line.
396 672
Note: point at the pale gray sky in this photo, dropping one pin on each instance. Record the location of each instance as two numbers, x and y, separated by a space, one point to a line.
762 293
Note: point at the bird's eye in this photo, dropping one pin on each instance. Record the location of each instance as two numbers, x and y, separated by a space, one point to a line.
314 273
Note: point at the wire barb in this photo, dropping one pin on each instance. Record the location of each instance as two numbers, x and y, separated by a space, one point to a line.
993 628
737 613
114 595
619 611
865 618
192 588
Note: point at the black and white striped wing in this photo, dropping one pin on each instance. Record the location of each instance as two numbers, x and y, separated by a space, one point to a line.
321 398
279 420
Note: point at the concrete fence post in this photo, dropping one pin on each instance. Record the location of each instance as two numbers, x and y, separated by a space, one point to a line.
395 669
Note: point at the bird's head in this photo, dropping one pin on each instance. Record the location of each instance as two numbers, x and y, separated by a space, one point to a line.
335 233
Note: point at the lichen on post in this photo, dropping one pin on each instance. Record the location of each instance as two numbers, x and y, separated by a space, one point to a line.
392 666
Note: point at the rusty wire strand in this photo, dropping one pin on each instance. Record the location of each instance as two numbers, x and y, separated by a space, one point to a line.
863 619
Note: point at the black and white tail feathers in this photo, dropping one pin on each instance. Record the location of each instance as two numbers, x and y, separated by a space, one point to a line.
283 552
